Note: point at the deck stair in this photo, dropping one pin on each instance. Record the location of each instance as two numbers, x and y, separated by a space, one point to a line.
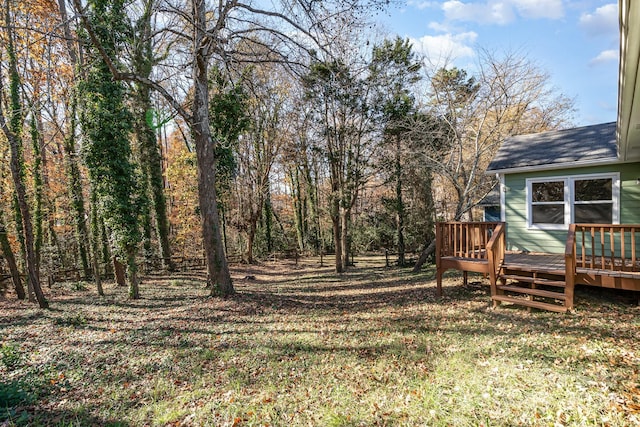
532 289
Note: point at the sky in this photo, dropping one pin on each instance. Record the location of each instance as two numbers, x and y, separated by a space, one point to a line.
575 41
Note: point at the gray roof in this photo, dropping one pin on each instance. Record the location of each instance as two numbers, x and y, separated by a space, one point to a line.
556 149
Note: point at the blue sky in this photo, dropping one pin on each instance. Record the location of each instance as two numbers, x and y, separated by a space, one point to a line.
575 41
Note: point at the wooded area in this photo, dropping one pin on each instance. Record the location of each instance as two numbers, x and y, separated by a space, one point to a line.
137 132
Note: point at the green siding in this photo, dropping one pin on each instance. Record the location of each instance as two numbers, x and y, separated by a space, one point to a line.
519 238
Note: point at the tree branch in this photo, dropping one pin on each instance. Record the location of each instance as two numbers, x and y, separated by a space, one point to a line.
117 75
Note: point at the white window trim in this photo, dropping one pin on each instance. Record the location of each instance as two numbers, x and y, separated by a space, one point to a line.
569 198
503 198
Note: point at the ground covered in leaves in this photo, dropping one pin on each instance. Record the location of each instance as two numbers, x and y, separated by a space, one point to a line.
299 345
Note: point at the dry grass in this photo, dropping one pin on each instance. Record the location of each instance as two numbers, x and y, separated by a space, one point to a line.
299 345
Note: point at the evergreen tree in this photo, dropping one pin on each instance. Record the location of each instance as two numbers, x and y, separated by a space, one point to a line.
394 70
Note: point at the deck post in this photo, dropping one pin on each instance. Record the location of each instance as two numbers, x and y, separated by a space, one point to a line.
570 266
495 255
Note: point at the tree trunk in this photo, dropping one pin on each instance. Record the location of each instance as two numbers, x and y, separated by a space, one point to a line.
145 220
132 272
17 167
253 227
119 273
399 206
49 207
75 188
337 239
217 267
21 193
36 145
22 261
224 229
459 214
314 211
152 164
71 163
150 149
11 261
344 237
95 243
268 220
160 207
106 250
251 236
54 242
430 249
297 205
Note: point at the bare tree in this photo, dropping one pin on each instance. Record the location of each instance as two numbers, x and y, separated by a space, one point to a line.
259 146
303 169
508 95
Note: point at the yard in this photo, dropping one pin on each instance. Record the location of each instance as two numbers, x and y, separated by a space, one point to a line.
299 345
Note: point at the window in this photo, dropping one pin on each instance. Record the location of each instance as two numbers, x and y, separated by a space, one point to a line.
553 203
547 202
593 201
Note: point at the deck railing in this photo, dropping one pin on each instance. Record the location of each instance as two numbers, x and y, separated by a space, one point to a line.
606 246
496 248
469 246
464 239
603 255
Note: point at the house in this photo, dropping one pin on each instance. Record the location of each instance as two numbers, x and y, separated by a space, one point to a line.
552 179
569 205
490 206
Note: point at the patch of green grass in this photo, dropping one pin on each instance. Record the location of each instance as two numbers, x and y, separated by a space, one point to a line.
14 393
79 286
71 319
10 356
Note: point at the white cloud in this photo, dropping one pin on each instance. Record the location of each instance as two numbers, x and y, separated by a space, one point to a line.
502 12
604 57
536 9
487 13
446 48
422 4
603 21
439 27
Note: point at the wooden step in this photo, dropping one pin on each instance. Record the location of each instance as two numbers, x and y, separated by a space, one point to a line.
536 280
534 269
529 303
536 292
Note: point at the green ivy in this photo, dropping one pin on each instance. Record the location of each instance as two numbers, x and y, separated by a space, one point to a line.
107 124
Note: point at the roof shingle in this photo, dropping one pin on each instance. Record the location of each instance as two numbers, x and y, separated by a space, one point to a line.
588 144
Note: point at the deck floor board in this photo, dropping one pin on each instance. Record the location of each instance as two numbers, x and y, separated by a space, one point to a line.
541 263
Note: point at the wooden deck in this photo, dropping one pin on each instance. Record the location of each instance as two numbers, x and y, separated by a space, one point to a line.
541 263
555 264
603 255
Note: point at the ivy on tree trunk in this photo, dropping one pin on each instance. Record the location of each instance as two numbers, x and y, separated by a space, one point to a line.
12 132
107 151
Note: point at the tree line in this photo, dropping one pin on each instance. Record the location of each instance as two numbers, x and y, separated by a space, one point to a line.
135 131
